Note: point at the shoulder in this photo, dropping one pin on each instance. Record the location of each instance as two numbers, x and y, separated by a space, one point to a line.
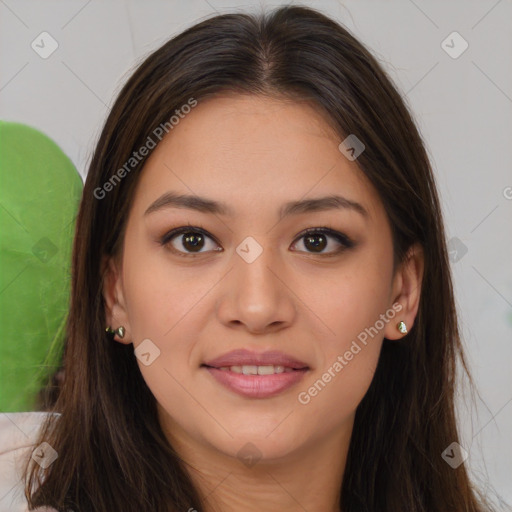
18 435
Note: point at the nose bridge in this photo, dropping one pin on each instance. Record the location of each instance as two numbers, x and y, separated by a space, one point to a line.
253 264
256 295
255 269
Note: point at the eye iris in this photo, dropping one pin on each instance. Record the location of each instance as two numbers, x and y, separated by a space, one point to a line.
195 240
317 246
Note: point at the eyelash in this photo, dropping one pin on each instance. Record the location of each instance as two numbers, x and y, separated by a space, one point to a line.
342 239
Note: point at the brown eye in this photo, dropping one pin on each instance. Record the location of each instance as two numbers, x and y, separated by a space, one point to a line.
316 243
316 240
192 241
186 241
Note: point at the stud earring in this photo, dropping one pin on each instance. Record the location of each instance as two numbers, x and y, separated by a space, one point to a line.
402 327
120 331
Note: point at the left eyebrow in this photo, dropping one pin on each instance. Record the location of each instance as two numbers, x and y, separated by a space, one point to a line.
201 204
205 205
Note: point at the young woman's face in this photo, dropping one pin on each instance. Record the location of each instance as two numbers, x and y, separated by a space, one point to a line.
243 275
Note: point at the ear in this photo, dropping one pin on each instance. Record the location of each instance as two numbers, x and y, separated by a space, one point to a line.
406 291
115 307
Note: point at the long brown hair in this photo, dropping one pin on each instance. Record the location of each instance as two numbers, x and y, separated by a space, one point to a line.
113 454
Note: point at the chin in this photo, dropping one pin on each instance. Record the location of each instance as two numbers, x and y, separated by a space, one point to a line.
263 441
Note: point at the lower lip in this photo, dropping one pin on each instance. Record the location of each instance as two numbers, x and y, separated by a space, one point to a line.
257 386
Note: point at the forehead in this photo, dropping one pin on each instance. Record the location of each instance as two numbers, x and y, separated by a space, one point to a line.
253 152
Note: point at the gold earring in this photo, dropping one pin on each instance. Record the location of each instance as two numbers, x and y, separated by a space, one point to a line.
402 327
120 331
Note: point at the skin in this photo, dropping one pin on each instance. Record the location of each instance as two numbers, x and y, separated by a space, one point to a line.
254 154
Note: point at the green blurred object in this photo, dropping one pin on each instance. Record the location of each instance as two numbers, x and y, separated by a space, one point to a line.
40 190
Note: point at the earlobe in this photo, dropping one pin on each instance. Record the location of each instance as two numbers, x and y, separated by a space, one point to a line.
115 312
407 285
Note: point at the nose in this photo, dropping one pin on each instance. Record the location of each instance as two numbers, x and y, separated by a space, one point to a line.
255 296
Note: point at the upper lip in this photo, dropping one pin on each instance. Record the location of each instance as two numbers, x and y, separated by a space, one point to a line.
244 357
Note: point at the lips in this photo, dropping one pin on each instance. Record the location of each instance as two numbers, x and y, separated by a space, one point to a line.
244 357
254 375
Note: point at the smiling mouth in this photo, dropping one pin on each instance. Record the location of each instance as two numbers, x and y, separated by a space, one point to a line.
257 369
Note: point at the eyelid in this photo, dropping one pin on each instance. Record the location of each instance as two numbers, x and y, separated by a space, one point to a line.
185 229
169 235
343 240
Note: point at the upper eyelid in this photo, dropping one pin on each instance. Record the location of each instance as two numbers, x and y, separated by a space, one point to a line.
339 236
169 235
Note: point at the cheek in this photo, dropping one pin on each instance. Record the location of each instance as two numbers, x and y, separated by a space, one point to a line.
349 357
165 305
348 300
330 399
158 292
354 310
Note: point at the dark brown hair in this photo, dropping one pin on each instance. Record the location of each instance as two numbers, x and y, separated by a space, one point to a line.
113 454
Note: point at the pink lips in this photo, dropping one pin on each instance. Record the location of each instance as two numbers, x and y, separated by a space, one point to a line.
244 357
256 386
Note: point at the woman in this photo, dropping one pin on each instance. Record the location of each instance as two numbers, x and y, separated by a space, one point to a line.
262 313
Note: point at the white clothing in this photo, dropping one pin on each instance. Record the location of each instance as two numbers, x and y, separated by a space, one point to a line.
18 433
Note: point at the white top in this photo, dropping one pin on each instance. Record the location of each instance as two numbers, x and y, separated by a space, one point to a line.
18 432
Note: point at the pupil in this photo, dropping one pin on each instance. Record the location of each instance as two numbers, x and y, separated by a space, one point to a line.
317 246
195 240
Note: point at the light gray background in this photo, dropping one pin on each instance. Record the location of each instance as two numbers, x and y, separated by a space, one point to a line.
463 107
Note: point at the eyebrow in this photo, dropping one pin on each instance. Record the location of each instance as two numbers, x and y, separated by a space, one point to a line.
205 205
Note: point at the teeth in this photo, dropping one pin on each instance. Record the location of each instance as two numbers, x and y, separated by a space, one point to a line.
250 370
257 370
266 370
